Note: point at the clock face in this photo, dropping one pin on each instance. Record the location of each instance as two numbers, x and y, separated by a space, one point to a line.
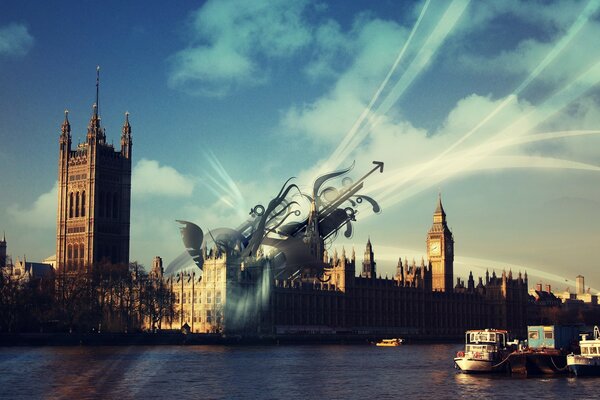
435 248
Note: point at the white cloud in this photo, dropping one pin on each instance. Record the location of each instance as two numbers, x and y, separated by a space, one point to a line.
41 214
150 178
228 39
15 40
563 27
373 44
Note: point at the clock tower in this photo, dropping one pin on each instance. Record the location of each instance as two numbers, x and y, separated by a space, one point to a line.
440 251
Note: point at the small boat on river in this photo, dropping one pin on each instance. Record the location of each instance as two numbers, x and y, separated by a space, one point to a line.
390 342
588 362
485 351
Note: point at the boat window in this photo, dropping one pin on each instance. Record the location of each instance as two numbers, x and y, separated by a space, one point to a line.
492 337
593 350
548 335
534 335
584 350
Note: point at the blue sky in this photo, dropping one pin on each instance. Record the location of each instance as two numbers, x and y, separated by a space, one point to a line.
493 103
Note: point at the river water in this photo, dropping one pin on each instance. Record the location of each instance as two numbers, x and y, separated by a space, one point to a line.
266 372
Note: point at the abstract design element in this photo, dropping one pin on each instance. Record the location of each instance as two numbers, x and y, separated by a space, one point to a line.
298 238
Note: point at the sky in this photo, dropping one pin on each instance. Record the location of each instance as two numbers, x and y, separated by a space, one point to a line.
495 105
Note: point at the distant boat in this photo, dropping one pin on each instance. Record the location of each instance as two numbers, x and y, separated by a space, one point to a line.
485 351
390 342
588 362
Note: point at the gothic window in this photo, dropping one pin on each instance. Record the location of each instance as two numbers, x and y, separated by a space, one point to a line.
81 257
76 255
83 204
208 297
115 210
69 252
71 205
101 205
218 297
77 204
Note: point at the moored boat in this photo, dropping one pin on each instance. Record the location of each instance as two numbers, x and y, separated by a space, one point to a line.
485 351
390 342
588 362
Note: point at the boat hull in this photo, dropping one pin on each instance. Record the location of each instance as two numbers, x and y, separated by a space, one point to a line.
584 366
473 366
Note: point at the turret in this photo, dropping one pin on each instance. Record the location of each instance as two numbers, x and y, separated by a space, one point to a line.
126 141
3 251
65 135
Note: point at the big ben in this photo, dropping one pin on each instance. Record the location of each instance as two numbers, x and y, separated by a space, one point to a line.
440 251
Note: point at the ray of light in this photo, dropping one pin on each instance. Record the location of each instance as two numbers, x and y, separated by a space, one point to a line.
418 65
342 149
582 19
552 105
220 183
394 176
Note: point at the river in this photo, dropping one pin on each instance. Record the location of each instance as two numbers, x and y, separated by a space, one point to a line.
265 372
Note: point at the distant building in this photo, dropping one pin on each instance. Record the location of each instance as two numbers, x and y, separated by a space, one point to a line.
235 295
581 294
23 269
94 196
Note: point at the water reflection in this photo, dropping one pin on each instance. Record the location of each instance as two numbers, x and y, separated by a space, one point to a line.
291 372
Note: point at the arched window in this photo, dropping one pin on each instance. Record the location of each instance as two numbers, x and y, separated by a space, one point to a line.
83 203
101 205
77 204
81 256
76 254
71 205
69 256
115 211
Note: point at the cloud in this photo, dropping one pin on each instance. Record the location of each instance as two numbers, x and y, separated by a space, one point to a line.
149 178
560 27
15 40
230 37
373 44
41 214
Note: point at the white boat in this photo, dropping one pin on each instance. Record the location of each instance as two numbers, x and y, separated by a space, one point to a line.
485 351
390 342
588 362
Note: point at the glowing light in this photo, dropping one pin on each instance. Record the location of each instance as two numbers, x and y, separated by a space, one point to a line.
342 150
418 65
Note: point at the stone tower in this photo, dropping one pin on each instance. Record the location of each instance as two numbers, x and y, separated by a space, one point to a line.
369 262
94 197
3 251
440 251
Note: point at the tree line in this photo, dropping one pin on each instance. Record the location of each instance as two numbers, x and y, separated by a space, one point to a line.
106 298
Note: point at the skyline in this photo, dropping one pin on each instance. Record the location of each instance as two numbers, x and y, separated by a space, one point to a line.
222 93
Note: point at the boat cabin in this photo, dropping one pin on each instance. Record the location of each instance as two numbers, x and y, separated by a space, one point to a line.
590 347
485 341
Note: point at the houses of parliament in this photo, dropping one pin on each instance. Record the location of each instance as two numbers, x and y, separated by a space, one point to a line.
232 294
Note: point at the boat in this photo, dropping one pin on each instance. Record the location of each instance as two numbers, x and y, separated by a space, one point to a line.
390 342
588 362
485 351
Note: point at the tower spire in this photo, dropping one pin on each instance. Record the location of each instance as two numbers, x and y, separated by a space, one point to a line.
97 90
65 128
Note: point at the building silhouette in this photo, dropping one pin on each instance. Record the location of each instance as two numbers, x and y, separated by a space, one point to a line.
94 196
